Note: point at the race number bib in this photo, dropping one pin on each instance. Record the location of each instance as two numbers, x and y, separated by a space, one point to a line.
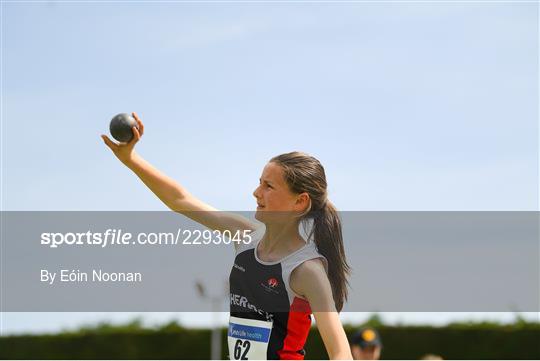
248 339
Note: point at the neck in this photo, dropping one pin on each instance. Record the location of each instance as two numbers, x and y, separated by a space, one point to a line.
281 237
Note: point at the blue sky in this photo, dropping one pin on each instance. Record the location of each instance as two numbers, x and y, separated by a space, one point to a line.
409 106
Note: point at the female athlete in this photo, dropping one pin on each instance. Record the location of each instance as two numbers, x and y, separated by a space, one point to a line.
279 279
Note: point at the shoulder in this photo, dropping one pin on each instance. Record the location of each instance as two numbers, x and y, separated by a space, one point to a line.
311 268
310 281
310 274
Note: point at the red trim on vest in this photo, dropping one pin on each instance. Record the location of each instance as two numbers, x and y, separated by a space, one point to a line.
298 325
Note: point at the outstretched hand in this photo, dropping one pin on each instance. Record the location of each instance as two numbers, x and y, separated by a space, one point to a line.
124 151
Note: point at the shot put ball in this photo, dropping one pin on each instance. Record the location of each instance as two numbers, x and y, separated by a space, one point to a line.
121 127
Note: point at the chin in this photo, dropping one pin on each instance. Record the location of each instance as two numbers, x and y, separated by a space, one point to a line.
259 215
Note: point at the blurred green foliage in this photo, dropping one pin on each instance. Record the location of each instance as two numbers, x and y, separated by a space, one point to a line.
134 340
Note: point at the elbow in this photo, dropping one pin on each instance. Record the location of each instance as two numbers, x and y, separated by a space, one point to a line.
176 205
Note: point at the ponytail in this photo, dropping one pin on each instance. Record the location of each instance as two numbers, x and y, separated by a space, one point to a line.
328 237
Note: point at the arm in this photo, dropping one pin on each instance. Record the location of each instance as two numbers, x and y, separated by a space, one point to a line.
333 335
171 193
310 281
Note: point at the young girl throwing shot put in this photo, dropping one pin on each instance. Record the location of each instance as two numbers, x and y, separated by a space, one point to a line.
279 279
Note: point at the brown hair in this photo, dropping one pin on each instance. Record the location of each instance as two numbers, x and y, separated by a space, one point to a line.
304 173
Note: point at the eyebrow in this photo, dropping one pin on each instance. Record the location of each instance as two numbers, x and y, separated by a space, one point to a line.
260 180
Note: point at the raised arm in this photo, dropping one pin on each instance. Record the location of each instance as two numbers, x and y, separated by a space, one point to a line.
170 192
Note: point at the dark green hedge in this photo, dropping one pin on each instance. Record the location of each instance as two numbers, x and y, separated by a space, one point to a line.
399 343
449 342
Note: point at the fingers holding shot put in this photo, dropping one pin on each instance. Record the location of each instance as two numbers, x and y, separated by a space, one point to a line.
136 136
139 122
127 130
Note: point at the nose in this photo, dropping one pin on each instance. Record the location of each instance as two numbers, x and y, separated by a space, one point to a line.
256 192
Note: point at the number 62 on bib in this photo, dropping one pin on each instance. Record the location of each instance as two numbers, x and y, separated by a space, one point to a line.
248 339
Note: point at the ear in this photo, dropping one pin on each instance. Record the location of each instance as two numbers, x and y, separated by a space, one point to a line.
302 202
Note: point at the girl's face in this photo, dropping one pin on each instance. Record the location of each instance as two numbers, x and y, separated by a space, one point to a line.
273 193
